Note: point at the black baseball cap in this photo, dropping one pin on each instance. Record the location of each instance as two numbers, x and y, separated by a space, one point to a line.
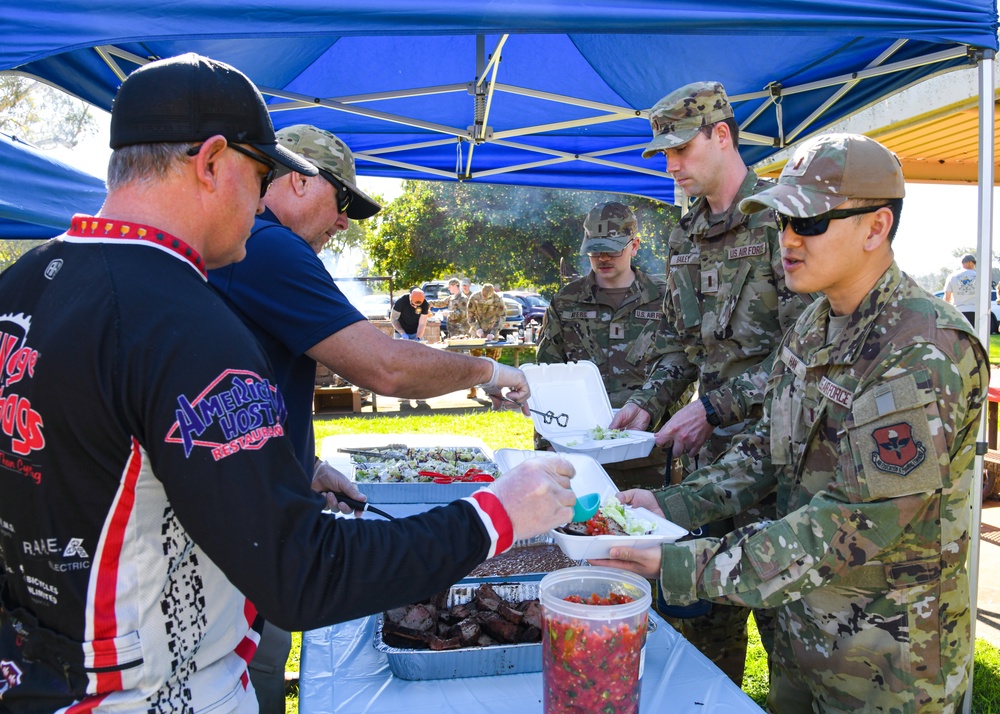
191 98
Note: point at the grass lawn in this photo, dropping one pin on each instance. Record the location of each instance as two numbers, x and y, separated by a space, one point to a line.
994 349
512 430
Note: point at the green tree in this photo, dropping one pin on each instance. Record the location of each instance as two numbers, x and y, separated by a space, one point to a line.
41 114
512 236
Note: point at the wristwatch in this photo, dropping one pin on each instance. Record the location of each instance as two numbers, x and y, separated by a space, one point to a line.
710 416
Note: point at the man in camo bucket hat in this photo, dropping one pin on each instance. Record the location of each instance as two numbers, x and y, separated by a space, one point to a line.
868 436
725 311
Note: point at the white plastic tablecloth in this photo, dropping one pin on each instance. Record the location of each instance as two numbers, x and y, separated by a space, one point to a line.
340 671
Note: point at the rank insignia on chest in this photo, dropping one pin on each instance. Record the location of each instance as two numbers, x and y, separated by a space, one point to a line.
710 281
617 331
898 452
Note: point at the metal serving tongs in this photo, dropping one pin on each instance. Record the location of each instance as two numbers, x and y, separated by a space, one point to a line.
390 451
547 417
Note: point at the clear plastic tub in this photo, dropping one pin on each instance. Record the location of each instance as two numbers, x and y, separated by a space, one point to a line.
592 655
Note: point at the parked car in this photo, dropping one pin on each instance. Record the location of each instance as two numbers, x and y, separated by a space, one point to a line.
374 307
994 309
533 305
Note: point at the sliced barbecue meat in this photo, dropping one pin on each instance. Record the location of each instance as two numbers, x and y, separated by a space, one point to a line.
532 614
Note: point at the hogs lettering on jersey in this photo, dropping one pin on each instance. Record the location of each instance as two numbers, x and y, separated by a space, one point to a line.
17 419
238 410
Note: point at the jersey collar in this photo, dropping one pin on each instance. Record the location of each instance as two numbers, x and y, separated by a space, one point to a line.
107 229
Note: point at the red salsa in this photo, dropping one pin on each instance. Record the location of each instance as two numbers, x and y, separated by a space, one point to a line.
592 670
595 599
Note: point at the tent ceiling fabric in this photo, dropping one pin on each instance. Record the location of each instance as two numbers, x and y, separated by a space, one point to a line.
529 92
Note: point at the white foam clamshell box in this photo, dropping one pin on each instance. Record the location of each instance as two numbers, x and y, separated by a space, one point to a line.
576 389
592 478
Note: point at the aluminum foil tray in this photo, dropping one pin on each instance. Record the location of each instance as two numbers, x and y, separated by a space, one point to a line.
379 493
467 661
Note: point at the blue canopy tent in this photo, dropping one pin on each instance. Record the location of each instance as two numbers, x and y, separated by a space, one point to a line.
39 195
529 92
551 93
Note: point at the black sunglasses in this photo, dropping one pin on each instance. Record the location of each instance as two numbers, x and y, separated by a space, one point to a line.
344 194
266 179
817 225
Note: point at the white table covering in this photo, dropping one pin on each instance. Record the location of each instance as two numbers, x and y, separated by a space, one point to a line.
340 671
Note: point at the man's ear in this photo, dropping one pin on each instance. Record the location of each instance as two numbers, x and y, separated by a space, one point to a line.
207 162
881 224
299 182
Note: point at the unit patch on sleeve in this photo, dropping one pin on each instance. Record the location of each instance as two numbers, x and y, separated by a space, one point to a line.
898 452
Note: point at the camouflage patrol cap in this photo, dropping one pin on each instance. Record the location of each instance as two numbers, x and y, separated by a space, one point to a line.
330 155
608 228
678 117
827 170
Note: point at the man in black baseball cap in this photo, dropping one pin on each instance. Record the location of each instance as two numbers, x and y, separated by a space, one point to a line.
190 98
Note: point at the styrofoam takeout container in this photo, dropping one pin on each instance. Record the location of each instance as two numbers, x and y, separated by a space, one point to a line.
592 478
577 390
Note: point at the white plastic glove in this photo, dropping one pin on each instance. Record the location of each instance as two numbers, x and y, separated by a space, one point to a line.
536 495
479 332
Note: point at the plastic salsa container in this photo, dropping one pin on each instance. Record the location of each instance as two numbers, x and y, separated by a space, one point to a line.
592 655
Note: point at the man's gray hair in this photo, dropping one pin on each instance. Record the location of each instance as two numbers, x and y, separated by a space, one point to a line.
144 162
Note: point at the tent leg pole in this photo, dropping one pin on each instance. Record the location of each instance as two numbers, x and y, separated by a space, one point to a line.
985 255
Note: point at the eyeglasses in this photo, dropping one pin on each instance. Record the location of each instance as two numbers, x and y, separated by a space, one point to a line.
344 195
606 254
266 179
817 225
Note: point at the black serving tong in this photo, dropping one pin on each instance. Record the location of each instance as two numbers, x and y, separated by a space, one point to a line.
547 417
361 505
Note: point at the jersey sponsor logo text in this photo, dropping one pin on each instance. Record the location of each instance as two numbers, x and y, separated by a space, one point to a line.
747 251
18 420
238 410
898 452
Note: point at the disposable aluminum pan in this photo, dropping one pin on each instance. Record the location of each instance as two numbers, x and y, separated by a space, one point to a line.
379 492
467 661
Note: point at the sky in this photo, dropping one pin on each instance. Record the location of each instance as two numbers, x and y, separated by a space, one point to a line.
937 219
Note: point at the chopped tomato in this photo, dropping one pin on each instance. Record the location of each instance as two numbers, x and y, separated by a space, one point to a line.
591 667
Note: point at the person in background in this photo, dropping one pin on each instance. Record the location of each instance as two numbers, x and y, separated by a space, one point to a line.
486 315
457 305
166 507
869 437
726 309
287 298
409 315
960 289
610 317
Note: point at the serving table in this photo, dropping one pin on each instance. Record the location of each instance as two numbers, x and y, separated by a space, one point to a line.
340 671
515 347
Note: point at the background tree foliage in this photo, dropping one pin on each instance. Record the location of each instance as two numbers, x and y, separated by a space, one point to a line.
514 237
42 115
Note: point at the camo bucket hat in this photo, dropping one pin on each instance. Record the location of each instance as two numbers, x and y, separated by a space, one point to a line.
678 117
608 228
827 170
331 155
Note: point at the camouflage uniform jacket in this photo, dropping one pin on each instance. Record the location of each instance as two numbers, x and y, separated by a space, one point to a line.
580 324
870 442
457 314
486 313
726 309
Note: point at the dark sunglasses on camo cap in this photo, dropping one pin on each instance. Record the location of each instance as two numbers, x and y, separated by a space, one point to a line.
818 225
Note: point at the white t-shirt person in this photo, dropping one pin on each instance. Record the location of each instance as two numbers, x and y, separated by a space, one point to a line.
960 288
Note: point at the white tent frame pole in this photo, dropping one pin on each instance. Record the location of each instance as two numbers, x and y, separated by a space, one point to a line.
985 259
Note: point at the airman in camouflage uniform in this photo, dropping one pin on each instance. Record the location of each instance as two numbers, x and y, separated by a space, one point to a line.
726 309
614 330
458 308
487 312
869 431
